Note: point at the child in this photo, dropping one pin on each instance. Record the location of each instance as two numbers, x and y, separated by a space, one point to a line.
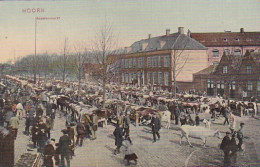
129 154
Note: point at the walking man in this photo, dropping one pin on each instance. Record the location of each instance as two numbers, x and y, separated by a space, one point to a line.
156 126
64 145
225 146
240 136
118 133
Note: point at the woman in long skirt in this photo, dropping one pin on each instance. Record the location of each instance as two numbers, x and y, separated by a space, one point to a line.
129 154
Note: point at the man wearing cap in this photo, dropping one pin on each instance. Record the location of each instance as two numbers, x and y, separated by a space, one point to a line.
225 146
49 152
64 145
156 126
240 137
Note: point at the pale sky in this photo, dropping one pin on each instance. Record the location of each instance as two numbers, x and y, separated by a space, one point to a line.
132 20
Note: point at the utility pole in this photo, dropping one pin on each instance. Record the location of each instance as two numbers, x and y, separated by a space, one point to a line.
34 66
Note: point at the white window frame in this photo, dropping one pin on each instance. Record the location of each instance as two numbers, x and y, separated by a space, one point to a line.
249 85
166 78
215 53
225 69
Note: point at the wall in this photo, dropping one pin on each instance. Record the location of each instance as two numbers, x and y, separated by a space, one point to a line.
197 60
211 59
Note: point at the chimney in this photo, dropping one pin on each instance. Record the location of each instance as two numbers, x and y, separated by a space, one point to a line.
149 36
168 32
242 30
181 30
189 33
127 49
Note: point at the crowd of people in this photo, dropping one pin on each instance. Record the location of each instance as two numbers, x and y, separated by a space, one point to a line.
39 111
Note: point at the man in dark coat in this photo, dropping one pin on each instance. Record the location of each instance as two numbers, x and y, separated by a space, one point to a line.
226 115
35 138
49 153
42 135
156 126
27 125
233 148
64 146
225 146
118 133
126 125
177 114
1 118
240 136
80 133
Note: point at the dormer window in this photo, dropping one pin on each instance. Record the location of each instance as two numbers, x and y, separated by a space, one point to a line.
215 53
237 52
225 69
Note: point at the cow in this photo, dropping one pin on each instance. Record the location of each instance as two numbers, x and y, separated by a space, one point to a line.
198 132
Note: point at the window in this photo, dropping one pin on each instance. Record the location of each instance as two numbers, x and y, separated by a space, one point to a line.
155 61
123 77
134 63
155 78
237 52
140 62
126 78
160 62
149 77
149 62
225 69
249 85
215 63
220 85
258 88
227 51
123 63
160 78
248 69
166 61
232 85
210 83
126 63
166 78
130 65
215 53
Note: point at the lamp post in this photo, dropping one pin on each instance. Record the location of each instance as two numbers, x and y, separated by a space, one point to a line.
34 61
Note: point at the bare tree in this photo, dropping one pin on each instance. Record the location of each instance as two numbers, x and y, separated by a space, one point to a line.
179 61
80 60
104 45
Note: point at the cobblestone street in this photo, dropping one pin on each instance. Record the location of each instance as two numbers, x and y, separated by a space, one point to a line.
166 152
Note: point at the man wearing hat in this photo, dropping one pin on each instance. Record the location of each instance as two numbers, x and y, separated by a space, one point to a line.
225 146
64 145
49 152
240 137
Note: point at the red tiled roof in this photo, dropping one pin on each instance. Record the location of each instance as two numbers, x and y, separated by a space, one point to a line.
228 38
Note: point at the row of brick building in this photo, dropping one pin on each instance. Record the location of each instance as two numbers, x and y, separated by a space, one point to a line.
158 60
236 76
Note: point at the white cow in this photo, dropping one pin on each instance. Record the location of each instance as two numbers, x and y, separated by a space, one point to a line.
166 117
198 132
